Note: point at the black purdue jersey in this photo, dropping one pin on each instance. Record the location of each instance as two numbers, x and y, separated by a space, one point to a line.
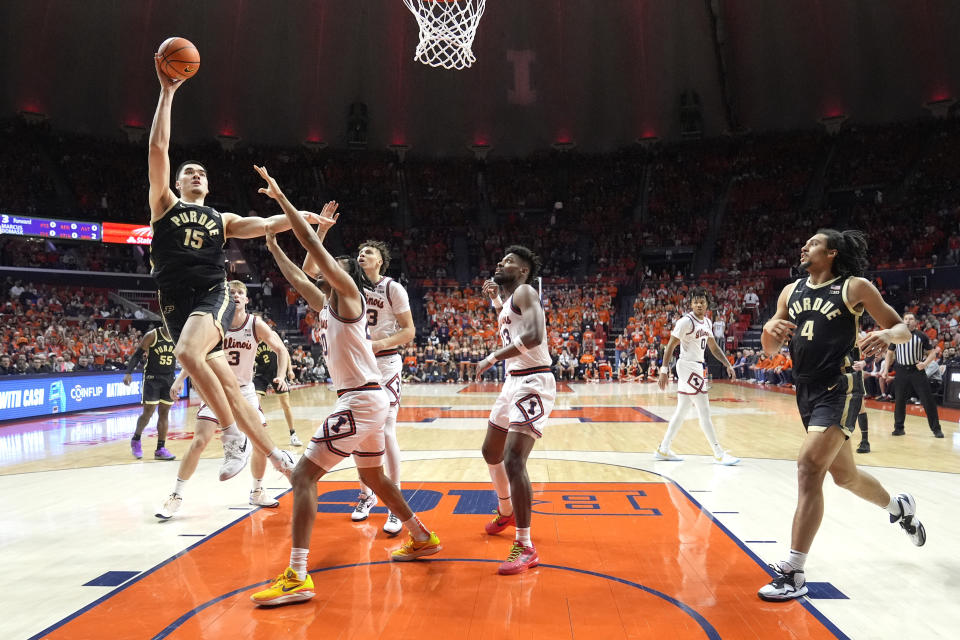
824 344
188 248
265 365
160 361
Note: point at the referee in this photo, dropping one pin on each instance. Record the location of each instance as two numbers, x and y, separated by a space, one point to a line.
909 360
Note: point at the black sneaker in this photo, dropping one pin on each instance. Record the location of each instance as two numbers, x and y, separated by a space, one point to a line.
908 519
785 586
864 447
898 432
938 433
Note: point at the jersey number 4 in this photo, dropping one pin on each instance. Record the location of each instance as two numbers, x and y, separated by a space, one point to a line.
807 330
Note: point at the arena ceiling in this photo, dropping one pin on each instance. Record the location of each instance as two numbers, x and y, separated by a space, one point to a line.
598 72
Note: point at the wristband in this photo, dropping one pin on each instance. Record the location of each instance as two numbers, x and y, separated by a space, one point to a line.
490 360
497 302
518 343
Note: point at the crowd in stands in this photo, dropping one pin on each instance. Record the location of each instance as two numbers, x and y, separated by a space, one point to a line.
46 328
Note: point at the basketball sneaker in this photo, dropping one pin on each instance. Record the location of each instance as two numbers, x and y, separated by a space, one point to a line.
170 506
287 588
666 456
136 449
163 454
785 586
519 560
295 441
284 464
908 519
499 523
236 452
864 447
727 459
364 504
393 525
259 498
411 549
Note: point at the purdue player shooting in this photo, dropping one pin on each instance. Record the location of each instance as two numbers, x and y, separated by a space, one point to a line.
158 374
826 306
187 259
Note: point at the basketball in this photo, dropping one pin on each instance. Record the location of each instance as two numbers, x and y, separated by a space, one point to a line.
179 58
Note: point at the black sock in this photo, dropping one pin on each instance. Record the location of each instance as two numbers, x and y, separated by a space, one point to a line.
862 421
135 438
292 432
160 444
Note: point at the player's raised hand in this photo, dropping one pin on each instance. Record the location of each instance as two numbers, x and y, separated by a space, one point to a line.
490 288
328 216
166 82
272 190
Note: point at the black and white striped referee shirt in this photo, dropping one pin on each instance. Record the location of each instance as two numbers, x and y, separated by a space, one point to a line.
910 353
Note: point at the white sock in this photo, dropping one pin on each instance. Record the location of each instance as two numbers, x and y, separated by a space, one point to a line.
178 488
275 454
523 536
257 484
706 424
683 405
298 562
501 484
794 561
416 529
232 431
894 507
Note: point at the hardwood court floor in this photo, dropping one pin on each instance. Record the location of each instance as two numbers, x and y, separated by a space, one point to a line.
631 547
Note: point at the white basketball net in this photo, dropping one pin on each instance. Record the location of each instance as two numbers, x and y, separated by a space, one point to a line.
447 28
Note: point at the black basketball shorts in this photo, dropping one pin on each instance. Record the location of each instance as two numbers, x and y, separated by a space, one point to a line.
177 305
832 401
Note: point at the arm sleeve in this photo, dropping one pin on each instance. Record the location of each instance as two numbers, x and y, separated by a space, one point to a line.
134 360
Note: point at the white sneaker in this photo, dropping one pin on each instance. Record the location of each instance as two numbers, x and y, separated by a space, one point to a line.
236 452
392 526
786 586
666 456
295 441
727 459
364 504
259 498
908 519
284 464
170 506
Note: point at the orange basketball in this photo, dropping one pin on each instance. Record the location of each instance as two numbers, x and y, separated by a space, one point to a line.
179 58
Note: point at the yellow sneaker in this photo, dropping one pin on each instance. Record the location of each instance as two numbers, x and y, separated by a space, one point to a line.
411 549
286 589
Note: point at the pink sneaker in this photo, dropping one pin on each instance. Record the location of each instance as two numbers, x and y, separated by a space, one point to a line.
499 523
520 559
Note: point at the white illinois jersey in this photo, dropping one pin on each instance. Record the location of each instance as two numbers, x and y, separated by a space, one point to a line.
510 323
346 348
387 300
693 335
240 347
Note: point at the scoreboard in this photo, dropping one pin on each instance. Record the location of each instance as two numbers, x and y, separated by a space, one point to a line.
49 228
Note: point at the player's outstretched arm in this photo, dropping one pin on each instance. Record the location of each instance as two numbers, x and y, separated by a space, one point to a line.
295 276
161 197
145 343
778 329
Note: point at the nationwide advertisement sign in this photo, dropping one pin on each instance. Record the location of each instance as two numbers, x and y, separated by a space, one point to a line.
33 396
117 233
